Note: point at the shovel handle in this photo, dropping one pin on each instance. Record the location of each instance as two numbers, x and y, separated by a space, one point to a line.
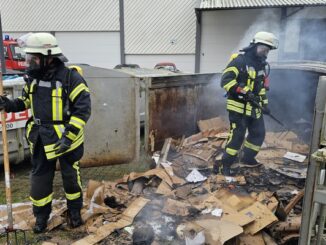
6 162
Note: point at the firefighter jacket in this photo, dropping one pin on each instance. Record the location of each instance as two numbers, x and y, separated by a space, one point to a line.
247 72
60 108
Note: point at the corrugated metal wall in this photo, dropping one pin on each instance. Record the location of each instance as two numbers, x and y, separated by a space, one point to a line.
160 27
59 15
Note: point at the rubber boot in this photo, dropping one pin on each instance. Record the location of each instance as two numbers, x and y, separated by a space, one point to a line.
40 224
247 159
75 218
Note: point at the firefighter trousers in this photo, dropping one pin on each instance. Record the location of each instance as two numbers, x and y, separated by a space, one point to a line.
42 176
239 124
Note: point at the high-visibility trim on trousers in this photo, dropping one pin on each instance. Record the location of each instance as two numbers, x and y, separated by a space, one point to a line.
42 202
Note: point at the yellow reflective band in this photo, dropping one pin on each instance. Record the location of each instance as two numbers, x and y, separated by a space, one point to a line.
246 88
233 126
77 122
58 130
265 101
76 166
31 97
233 108
229 85
235 103
262 91
231 69
26 101
251 146
50 154
231 151
72 196
71 136
29 128
42 202
81 87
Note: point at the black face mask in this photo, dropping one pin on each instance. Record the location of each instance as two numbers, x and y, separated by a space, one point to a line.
35 70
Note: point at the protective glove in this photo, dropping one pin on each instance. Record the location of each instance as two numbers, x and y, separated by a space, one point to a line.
62 144
266 110
4 101
249 96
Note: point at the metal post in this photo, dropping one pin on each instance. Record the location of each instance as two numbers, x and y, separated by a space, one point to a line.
313 164
122 32
198 40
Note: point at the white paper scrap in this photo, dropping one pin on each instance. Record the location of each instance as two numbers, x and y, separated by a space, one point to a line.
217 212
229 179
156 157
195 176
199 239
294 156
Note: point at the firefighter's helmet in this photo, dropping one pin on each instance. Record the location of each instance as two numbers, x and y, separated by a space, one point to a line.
266 38
41 43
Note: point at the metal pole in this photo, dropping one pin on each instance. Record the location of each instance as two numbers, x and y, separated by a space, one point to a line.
122 32
6 163
198 40
305 229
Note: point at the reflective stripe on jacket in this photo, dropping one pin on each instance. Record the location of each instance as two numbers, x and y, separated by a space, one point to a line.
247 73
50 102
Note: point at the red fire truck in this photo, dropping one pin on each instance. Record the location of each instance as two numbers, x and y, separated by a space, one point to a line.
14 56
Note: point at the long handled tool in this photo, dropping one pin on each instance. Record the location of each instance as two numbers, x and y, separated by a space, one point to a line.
10 227
256 104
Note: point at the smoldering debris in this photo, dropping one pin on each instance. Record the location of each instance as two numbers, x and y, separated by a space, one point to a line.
180 200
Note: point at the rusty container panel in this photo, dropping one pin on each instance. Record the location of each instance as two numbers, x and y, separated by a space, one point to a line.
174 104
112 133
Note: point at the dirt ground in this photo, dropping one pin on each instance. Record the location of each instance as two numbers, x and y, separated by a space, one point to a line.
20 193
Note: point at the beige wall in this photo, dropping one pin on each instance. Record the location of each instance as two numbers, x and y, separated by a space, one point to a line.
225 32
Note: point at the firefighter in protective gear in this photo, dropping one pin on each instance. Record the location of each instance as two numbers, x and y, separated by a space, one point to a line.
243 79
60 103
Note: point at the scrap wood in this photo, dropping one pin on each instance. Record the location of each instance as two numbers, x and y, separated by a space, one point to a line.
105 230
262 215
268 239
247 239
293 202
288 238
193 139
291 224
165 149
203 154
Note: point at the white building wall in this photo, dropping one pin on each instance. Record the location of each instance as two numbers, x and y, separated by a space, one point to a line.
185 63
100 49
226 31
293 34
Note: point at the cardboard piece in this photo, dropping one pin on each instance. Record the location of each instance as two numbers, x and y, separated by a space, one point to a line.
294 156
262 215
216 123
92 185
105 230
218 232
247 239
210 202
159 172
221 179
175 207
164 189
